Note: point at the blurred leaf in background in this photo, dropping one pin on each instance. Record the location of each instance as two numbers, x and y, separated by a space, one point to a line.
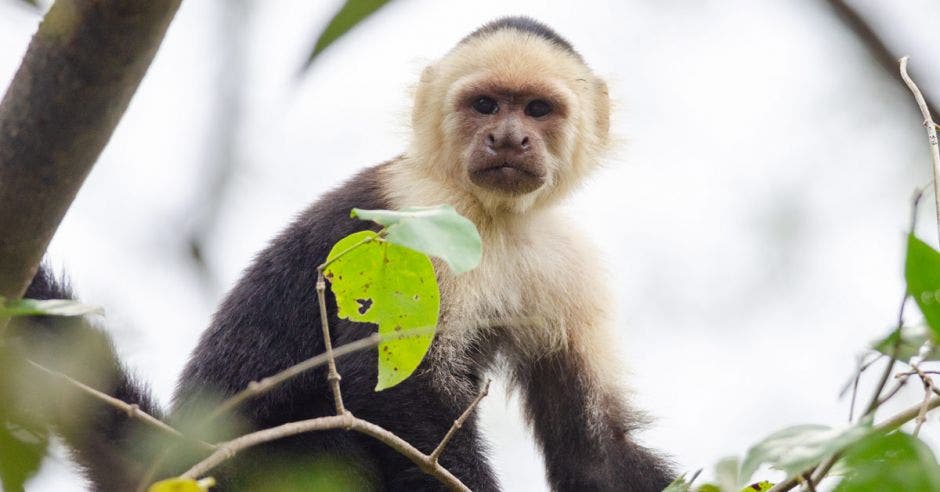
352 13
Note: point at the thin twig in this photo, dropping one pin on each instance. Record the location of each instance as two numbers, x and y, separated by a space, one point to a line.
928 392
258 388
892 358
931 127
333 377
807 480
344 421
853 383
132 410
890 394
459 423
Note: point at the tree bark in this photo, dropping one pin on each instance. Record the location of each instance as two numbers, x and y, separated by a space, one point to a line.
82 67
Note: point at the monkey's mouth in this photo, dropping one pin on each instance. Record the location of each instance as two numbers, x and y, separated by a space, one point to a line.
512 177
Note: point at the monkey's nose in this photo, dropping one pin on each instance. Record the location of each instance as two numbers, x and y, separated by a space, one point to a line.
507 142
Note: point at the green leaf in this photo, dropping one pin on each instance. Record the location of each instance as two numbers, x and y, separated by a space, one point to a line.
728 473
762 486
896 461
352 12
49 307
21 453
680 484
437 231
912 338
182 485
922 271
797 448
378 282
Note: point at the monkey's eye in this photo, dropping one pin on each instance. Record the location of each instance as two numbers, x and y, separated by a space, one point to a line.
485 105
538 108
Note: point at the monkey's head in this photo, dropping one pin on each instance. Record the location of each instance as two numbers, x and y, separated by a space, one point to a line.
512 114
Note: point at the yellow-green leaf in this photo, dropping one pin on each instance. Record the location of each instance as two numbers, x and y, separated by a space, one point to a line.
392 286
182 485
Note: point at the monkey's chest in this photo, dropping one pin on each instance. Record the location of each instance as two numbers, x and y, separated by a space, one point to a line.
517 293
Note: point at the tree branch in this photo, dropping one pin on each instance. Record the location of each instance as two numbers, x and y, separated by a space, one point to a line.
931 127
872 41
82 67
344 421
333 377
459 422
262 386
132 411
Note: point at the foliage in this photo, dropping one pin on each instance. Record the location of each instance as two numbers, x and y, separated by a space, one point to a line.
386 278
797 448
922 271
868 457
21 452
376 281
352 13
10 308
182 485
896 461
437 231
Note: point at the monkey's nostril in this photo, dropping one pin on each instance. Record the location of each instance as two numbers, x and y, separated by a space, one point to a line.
490 140
525 142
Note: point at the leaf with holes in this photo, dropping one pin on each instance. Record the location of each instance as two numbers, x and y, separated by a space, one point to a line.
438 231
922 272
392 286
48 307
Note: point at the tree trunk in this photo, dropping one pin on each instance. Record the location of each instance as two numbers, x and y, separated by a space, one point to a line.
81 69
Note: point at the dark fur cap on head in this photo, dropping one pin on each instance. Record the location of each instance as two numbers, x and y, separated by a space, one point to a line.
527 25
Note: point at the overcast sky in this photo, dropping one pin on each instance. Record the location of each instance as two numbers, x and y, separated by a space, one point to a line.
752 219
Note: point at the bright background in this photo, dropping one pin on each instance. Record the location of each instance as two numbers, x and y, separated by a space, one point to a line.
753 219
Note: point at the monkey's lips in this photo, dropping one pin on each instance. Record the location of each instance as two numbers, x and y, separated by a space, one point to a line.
511 177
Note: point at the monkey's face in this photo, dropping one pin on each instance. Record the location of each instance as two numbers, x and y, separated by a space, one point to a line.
511 119
506 134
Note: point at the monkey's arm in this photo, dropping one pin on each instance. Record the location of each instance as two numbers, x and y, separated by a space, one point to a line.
585 430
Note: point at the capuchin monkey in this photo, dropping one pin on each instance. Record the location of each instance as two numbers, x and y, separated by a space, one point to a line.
505 126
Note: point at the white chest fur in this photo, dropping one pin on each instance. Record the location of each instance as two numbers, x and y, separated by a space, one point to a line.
524 287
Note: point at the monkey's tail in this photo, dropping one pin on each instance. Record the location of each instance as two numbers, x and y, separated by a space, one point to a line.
109 444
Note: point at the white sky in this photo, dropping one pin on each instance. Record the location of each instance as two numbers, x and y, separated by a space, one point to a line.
753 220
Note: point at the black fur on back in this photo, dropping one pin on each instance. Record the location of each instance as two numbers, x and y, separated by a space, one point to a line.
527 25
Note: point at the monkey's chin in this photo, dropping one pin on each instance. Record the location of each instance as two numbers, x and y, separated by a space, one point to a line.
508 179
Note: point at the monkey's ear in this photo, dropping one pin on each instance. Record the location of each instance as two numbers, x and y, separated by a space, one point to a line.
602 109
421 109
